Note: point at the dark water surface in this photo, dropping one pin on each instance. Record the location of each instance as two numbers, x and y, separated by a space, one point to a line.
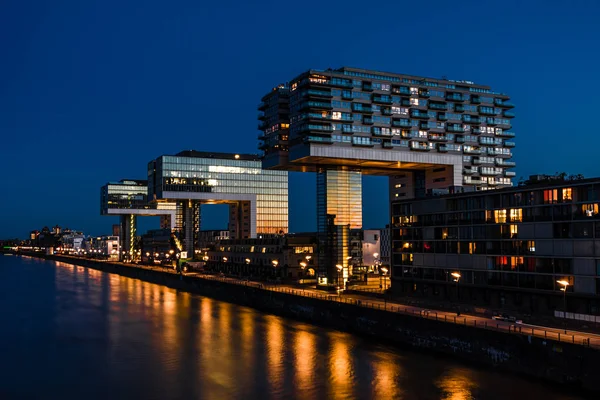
68 332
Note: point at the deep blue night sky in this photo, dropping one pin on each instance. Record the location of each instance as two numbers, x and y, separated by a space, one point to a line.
90 91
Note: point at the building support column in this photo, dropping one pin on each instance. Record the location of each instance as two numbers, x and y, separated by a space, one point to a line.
190 229
339 209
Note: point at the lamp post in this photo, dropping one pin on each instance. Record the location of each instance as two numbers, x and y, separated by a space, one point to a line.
564 284
384 270
456 277
339 269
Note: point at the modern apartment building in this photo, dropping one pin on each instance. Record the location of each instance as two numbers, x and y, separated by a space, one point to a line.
257 198
423 133
509 246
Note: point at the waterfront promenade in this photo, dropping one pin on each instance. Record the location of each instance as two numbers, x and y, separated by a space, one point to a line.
548 333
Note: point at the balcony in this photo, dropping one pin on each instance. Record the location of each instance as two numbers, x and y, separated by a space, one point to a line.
361 108
484 111
473 121
503 163
459 108
435 137
318 139
319 93
317 105
419 146
455 97
438 106
367 87
382 99
424 93
454 128
401 123
468 180
337 82
262 106
504 104
359 144
261 116
510 174
471 151
489 171
387 145
418 114
469 171
509 114
442 148
509 144
367 121
424 126
316 128
505 134
476 131
386 111
401 90
475 100
442 117
262 126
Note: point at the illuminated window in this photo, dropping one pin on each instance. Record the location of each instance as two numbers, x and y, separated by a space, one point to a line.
500 216
398 185
567 194
516 215
589 210
444 233
531 246
515 262
550 196
514 229
472 247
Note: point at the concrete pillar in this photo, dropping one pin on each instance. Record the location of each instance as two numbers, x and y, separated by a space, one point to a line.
128 231
190 217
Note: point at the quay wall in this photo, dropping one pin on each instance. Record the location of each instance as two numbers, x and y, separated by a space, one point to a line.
564 363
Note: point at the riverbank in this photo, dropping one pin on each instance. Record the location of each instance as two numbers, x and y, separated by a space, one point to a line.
524 354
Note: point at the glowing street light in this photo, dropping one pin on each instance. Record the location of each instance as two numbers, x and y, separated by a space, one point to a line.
564 284
339 269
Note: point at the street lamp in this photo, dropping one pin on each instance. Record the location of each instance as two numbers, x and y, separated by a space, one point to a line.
564 284
339 269
456 277
384 270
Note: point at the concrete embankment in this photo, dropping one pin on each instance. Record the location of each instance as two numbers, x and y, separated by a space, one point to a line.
559 362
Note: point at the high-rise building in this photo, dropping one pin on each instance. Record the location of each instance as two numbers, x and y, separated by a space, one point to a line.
257 198
424 133
510 247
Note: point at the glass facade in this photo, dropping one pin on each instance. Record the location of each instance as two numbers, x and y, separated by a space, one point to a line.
197 176
339 209
126 194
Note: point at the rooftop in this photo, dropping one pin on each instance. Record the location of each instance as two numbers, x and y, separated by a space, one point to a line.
221 156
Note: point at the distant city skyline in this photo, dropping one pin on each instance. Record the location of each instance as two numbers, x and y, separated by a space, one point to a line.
90 95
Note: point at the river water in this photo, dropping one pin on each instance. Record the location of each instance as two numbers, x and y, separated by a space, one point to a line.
69 332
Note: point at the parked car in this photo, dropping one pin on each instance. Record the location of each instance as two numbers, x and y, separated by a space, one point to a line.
506 317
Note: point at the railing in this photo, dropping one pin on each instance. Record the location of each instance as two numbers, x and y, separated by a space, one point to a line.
476 322
573 337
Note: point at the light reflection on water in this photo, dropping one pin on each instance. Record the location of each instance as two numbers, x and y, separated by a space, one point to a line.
79 333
